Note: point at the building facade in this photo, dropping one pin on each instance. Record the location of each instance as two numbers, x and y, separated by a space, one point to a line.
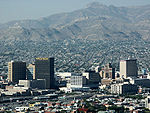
143 82
93 78
44 69
35 84
128 68
124 88
38 84
16 71
78 81
25 83
107 72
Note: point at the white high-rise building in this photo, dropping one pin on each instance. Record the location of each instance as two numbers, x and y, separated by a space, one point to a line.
128 68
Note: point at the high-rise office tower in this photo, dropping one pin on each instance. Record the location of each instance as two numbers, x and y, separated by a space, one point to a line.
128 68
16 71
44 69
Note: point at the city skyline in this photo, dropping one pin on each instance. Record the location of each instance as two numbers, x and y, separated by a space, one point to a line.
92 57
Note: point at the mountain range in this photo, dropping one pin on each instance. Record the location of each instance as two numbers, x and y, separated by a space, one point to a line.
95 22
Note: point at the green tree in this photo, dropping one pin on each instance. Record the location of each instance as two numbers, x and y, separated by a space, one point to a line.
117 109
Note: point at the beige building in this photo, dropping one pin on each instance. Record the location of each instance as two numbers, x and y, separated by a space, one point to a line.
106 81
128 68
25 83
16 71
107 72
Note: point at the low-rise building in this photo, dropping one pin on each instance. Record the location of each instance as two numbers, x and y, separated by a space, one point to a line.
16 91
93 78
39 83
78 81
147 102
124 88
143 82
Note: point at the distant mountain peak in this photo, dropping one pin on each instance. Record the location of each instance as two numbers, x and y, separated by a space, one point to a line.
95 5
16 26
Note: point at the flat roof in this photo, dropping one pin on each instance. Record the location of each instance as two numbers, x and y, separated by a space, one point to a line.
128 60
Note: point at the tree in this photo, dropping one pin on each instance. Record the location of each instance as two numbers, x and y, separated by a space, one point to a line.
117 109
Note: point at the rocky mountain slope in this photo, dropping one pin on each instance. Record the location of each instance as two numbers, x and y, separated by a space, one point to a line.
95 22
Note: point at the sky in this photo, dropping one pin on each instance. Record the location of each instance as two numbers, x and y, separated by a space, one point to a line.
34 9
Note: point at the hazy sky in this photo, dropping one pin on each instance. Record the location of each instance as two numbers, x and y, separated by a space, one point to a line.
34 9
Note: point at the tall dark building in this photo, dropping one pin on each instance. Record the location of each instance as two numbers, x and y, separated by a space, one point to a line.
16 71
44 69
